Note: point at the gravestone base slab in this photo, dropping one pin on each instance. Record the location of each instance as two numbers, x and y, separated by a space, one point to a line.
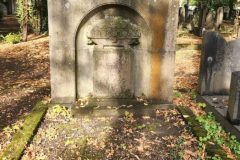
218 105
124 101
114 111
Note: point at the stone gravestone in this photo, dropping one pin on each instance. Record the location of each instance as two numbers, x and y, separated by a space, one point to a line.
112 49
209 21
226 10
219 19
181 18
212 64
218 60
3 9
233 113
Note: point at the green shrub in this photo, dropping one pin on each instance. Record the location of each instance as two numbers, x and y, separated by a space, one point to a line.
12 38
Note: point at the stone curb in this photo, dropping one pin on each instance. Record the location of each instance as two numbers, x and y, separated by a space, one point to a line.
211 148
15 149
227 126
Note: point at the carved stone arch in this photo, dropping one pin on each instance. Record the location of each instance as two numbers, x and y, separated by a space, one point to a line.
102 7
103 46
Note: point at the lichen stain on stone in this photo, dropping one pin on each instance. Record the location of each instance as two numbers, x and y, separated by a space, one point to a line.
155 75
157 44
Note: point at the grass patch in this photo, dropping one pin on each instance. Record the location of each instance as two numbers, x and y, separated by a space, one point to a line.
20 140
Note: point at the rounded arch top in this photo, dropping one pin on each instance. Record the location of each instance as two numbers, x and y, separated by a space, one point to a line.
104 6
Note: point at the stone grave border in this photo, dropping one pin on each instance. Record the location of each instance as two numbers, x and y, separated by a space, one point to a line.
227 126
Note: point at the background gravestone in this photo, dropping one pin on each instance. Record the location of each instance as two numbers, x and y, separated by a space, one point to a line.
219 19
209 21
233 113
181 18
3 9
112 49
226 11
218 60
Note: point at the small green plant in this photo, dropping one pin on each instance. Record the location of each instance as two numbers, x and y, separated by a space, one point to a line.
214 130
234 145
193 95
128 116
12 38
202 105
216 134
1 37
177 94
216 158
58 110
177 152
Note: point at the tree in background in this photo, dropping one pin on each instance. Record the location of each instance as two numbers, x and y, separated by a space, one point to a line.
39 16
214 7
23 17
32 13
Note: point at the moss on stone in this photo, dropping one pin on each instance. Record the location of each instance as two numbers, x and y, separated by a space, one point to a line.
215 150
20 140
212 149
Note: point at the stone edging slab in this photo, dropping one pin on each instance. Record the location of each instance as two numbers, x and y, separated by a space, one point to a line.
227 126
15 149
199 131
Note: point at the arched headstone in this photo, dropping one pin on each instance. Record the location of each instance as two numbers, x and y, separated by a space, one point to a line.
219 19
112 49
209 21
3 9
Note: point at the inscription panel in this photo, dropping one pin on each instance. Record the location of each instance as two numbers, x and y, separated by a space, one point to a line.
112 75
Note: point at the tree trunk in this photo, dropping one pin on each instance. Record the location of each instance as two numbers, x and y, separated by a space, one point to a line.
186 6
231 5
202 17
25 23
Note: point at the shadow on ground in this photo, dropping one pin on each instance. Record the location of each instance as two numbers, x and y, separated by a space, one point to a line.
15 110
24 79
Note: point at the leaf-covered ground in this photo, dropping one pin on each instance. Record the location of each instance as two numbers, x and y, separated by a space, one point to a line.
24 80
162 135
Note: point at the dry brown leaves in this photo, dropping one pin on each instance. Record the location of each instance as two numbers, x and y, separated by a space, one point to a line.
24 80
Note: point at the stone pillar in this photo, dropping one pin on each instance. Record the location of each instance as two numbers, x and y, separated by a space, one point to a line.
233 113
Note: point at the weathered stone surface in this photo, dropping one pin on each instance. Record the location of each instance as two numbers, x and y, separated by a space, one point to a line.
233 113
181 18
112 73
219 19
209 21
211 80
112 48
219 59
3 9
226 12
